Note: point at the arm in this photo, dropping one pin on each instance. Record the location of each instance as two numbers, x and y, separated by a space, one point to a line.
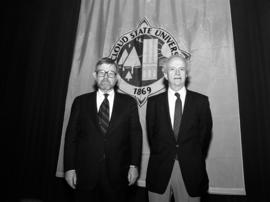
205 126
135 132
71 137
150 119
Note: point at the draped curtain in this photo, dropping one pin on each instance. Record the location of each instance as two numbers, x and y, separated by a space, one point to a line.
202 29
38 42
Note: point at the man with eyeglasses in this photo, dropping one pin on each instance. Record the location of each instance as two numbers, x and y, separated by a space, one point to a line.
103 143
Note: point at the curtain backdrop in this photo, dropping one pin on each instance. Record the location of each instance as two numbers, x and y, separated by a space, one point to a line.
138 34
38 41
251 25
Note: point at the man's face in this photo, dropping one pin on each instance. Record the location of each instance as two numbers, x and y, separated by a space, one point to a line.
176 73
105 76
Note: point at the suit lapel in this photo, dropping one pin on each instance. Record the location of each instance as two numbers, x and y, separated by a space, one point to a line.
92 109
186 112
115 111
167 112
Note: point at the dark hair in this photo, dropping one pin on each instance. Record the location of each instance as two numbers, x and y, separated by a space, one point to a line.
106 60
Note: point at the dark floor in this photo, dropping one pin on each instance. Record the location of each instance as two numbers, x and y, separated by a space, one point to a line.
139 194
61 192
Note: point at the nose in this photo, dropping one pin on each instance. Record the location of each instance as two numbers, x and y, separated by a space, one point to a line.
106 75
177 71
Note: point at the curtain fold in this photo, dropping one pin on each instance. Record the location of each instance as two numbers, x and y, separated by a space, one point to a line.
40 37
38 41
251 25
138 34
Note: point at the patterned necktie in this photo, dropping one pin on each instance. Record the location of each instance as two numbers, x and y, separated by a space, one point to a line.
177 115
103 114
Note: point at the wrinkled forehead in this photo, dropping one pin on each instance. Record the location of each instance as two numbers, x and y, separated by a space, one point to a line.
106 67
176 61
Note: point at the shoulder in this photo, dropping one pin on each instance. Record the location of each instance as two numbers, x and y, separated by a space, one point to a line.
85 96
125 98
198 98
158 97
196 95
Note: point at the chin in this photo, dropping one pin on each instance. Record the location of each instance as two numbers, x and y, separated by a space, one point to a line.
106 89
178 84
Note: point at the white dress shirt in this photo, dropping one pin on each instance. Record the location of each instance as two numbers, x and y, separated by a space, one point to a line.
172 98
101 97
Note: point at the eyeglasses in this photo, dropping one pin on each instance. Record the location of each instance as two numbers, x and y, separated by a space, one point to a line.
102 73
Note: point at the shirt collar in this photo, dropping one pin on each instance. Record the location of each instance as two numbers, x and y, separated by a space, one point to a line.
182 92
110 93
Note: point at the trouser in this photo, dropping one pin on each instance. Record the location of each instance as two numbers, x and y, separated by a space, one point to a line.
176 187
104 191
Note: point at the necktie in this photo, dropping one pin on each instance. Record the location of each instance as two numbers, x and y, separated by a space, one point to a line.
177 115
103 114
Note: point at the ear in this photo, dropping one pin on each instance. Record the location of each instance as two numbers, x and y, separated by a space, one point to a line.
95 75
165 75
117 80
165 72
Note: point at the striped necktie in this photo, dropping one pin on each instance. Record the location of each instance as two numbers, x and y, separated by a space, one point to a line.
104 115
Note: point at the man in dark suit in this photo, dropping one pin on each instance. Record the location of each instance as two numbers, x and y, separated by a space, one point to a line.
179 125
103 142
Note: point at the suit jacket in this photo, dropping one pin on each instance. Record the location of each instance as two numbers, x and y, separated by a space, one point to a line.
190 147
86 147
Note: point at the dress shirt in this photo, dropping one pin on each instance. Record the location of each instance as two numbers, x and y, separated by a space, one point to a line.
172 98
101 97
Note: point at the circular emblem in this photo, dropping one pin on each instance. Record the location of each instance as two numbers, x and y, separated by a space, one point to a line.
139 55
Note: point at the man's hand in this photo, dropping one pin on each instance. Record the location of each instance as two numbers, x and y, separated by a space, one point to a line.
132 175
71 178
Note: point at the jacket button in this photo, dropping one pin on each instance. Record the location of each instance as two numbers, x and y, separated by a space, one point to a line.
177 146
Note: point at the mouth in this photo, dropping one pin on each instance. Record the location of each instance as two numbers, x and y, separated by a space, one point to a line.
105 80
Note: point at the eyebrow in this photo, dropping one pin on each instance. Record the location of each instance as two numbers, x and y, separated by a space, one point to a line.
177 67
